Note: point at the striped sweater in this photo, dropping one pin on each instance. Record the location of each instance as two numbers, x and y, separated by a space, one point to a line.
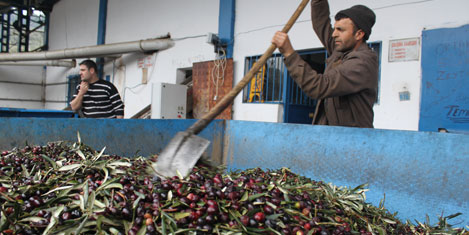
101 101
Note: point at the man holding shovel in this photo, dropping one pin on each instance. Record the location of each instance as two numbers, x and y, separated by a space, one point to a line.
347 89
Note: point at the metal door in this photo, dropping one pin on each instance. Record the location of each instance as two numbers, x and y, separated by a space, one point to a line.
445 80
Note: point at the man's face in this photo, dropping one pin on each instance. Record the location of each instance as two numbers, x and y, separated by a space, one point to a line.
85 73
344 37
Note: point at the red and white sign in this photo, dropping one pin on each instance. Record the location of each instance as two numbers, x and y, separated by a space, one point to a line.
145 62
404 49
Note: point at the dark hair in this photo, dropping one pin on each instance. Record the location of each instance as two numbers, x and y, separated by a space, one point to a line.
90 64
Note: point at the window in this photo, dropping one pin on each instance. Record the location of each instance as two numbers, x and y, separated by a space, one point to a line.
73 81
267 84
23 30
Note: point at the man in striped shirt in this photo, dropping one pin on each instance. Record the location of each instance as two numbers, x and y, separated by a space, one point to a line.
97 98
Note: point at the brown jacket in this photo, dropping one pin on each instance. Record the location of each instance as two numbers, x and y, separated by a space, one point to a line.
347 89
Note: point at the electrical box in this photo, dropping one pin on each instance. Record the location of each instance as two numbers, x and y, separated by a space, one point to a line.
168 101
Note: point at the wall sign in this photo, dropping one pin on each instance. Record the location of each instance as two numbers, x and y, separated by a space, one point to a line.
145 62
404 49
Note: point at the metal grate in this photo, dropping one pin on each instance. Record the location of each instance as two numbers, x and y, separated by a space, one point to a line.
23 24
267 84
5 33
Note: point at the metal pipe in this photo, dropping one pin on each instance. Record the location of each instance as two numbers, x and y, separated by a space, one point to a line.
35 84
56 63
22 83
91 51
33 100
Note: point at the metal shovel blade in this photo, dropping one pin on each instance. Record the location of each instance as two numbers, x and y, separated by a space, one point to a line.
181 154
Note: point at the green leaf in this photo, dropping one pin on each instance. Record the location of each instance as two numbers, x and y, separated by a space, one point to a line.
388 221
170 195
102 219
99 204
119 163
114 185
181 215
90 203
82 202
273 216
107 183
255 196
56 200
85 192
57 189
81 226
99 154
82 156
3 221
70 167
54 219
453 215
271 205
276 232
25 171
113 231
106 175
34 219
271 186
245 196
50 161
142 230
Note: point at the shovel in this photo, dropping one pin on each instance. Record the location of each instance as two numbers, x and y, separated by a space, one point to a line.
184 150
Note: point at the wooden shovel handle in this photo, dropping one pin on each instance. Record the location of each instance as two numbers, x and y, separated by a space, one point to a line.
228 98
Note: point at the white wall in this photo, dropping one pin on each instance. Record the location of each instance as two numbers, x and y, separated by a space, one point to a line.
23 74
257 21
72 24
143 19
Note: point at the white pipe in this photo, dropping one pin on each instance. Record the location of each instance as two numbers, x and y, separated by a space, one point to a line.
55 63
91 51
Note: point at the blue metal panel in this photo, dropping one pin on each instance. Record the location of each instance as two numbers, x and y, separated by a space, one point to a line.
445 79
16 112
226 21
124 137
420 172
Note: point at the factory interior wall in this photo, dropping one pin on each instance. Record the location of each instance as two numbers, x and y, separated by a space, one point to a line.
256 24
188 23
140 20
74 24
21 91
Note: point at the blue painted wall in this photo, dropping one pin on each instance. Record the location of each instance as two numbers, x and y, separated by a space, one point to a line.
420 172
445 79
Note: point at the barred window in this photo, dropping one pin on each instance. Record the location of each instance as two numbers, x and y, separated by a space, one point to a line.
267 85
